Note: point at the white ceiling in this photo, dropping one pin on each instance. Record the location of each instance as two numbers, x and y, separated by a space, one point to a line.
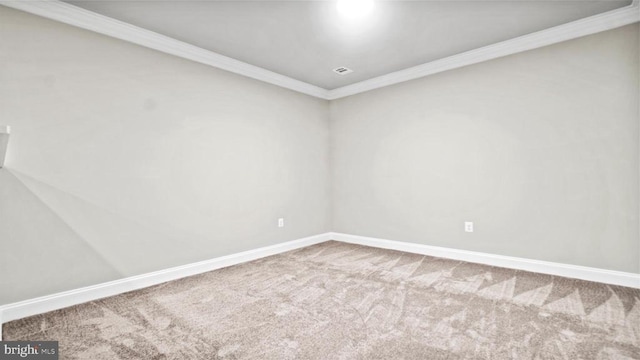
305 40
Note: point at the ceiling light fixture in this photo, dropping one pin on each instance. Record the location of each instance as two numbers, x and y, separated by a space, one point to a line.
354 9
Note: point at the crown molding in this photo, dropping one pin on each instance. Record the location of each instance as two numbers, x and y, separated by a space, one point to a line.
575 29
76 16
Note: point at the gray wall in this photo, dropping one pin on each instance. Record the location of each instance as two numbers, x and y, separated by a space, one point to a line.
123 160
539 150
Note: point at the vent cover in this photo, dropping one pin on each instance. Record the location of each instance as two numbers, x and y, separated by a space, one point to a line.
342 70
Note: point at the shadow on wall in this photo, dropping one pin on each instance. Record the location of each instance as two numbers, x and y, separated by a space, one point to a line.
61 242
44 249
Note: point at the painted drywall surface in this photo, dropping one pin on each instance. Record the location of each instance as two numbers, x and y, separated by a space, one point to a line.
124 160
539 150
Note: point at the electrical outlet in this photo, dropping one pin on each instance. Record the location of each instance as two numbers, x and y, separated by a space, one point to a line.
468 226
281 222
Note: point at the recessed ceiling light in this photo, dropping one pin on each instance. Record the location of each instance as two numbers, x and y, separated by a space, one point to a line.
355 9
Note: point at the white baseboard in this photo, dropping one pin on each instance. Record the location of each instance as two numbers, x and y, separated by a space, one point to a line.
545 267
65 299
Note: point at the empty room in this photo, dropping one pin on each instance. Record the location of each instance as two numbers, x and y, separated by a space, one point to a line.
337 179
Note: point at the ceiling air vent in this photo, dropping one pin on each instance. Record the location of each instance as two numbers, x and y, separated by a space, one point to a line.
342 70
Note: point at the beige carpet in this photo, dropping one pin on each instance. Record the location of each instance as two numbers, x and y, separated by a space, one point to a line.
341 301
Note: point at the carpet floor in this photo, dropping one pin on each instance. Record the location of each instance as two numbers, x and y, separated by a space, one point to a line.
343 301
